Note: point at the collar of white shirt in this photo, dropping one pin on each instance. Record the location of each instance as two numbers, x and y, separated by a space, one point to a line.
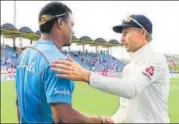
143 52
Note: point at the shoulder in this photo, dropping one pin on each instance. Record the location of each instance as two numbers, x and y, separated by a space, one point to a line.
32 59
156 57
158 61
50 52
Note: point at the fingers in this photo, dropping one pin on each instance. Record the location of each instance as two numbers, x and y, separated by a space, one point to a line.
63 76
66 76
64 62
69 58
61 71
61 66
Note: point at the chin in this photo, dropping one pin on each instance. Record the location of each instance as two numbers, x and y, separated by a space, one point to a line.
67 44
128 50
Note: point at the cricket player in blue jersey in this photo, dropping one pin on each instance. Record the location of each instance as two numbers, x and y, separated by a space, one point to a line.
41 96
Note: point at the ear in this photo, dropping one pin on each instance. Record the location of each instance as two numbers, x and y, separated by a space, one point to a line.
59 23
143 32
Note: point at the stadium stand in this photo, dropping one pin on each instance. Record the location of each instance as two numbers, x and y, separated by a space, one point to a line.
99 61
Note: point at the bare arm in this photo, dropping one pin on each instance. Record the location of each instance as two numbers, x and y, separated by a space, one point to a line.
64 113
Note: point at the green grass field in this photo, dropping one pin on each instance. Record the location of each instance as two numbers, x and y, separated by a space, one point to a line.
87 100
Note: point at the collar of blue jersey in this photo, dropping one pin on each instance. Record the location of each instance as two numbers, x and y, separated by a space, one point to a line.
143 52
43 41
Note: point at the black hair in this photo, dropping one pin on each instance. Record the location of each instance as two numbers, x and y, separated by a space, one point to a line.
52 9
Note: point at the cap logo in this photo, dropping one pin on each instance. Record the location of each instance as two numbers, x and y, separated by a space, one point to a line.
44 19
128 19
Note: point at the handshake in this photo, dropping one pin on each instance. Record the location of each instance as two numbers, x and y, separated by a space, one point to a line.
106 120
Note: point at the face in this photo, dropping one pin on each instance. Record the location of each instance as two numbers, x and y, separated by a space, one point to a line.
67 29
133 38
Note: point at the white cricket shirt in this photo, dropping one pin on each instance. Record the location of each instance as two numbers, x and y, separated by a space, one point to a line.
143 88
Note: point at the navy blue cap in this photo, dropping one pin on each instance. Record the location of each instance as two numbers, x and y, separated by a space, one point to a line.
143 22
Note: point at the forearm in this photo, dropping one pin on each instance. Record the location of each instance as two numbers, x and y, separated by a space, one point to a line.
76 117
121 87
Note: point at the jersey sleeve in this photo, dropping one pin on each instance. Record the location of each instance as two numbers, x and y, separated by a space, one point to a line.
57 90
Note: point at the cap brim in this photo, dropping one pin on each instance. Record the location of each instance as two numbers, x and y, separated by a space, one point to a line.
119 28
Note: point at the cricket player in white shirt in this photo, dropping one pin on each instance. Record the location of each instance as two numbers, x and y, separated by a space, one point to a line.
144 86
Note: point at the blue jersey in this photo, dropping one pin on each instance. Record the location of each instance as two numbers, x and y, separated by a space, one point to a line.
37 86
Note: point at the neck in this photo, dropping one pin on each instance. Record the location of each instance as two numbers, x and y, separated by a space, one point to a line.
142 44
54 39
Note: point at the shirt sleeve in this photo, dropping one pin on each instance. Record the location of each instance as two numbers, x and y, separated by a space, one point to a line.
152 71
57 90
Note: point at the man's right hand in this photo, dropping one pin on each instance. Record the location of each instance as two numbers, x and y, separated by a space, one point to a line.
100 120
107 120
69 69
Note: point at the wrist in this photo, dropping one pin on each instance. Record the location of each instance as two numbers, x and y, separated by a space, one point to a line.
101 120
86 77
106 120
96 119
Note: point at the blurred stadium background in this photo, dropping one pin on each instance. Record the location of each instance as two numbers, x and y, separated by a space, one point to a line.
87 100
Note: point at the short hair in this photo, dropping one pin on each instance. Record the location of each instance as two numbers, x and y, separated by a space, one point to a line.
52 9
148 37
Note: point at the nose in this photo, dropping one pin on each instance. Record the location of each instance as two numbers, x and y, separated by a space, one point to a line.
123 39
73 33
